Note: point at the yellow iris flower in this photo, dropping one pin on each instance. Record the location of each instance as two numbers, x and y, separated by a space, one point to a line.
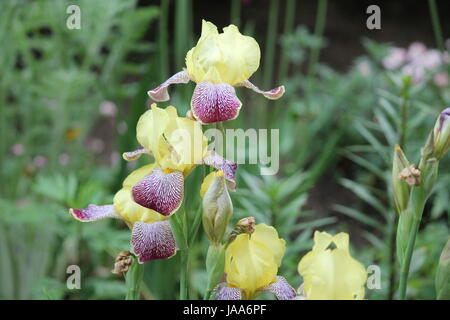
329 271
218 63
252 260
176 143
227 57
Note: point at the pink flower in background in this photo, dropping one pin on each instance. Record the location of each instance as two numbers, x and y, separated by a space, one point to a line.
417 61
96 145
64 159
364 68
108 109
441 79
396 57
40 161
18 149
415 50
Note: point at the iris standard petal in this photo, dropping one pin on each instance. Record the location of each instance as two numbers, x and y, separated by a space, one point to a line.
272 94
152 241
214 102
160 191
281 289
228 57
330 272
250 262
160 93
94 212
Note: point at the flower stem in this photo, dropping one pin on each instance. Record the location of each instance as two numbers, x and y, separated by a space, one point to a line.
184 274
404 272
133 280
436 24
318 32
178 223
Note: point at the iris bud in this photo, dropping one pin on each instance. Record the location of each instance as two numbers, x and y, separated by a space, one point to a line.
217 206
400 187
441 134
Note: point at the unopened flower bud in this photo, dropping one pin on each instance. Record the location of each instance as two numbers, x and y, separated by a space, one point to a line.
400 188
217 206
441 134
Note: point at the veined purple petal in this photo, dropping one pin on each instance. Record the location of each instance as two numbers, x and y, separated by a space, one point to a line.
152 241
160 191
93 213
272 94
214 102
228 167
135 154
281 288
160 93
224 292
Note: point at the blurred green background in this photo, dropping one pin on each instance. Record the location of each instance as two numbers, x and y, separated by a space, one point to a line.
70 100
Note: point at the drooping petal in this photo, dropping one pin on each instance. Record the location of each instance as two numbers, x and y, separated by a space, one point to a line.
214 102
272 94
218 162
160 93
94 212
160 191
281 289
152 241
135 154
224 292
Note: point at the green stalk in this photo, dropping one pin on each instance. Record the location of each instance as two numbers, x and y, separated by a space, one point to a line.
318 32
404 272
436 24
133 279
288 28
270 43
236 12
163 47
178 223
269 54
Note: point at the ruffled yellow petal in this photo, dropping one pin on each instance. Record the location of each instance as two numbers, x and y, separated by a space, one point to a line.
228 57
329 272
150 131
177 143
251 261
269 236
